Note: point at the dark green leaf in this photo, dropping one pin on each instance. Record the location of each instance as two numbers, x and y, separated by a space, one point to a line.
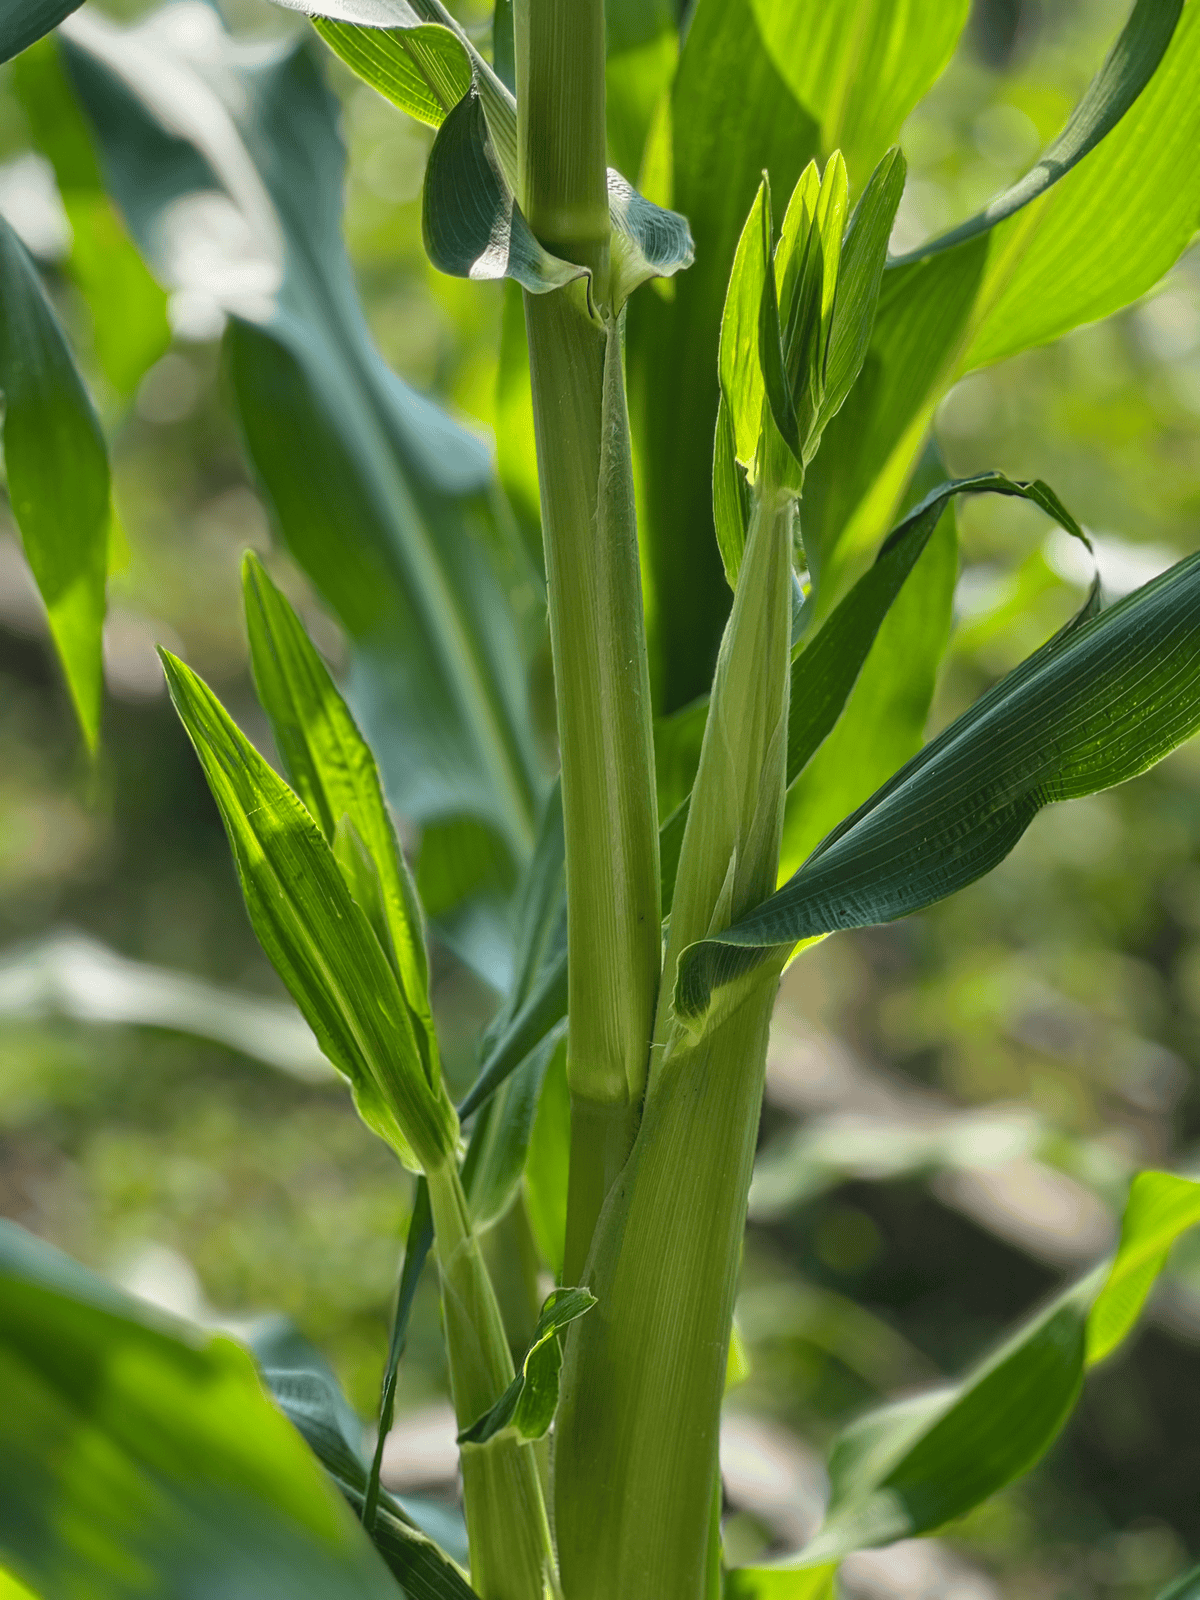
1185 1588
58 484
529 1402
316 935
1098 704
139 1456
25 21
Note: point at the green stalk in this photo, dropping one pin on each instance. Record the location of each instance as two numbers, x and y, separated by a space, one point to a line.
636 1444
512 1555
594 590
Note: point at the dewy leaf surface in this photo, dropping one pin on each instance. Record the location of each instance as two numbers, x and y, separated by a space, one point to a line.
319 940
529 1402
140 1456
1098 704
384 501
913 1466
58 480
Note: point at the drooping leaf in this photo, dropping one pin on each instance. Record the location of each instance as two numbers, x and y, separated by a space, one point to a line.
307 1392
382 499
529 1402
318 938
25 21
58 481
140 1456
334 773
756 86
909 1468
129 310
1116 204
1100 703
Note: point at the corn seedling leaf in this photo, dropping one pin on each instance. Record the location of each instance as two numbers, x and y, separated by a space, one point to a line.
913 1466
136 1446
58 480
529 1402
318 938
1098 704
307 1393
25 21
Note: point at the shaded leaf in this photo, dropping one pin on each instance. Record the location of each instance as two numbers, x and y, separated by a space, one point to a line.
529 1402
58 481
139 1455
500 1138
1101 702
546 1165
318 938
25 21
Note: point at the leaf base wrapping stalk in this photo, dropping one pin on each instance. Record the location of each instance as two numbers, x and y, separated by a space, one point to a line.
508 1530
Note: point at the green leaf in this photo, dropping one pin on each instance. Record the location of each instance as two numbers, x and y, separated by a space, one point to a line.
642 48
782 1583
1100 703
756 85
318 938
25 21
129 310
334 773
740 369
58 482
1185 1588
1116 205
140 1456
529 1402
307 1392
437 678
423 70
1160 1207
546 1165
913 1466
500 1138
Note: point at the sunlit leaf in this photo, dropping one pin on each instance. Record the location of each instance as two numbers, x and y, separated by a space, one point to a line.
57 468
1160 1207
139 1455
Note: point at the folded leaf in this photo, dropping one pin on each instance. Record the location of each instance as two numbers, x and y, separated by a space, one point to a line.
913 1466
58 482
138 1455
25 21
318 938
529 1402
1100 703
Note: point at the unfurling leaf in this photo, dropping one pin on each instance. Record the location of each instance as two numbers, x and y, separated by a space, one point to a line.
529 1402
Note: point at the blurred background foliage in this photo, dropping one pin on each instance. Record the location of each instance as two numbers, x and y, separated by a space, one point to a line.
955 1102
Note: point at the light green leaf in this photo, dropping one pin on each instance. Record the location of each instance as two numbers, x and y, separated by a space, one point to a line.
307 1392
782 1583
334 773
1185 1588
1114 209
731 495
546 1165
529 1402
25 21
642 47
58 482
437 678
129 310
1101 702
423 70
1160 1207
319 940
139 1456
754 86
913 1466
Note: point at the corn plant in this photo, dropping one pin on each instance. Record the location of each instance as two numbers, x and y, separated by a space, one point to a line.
747 555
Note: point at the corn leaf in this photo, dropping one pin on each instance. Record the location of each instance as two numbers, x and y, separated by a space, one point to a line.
915 1465
529 1402
141 1455
1100 703
758 86
334 773
500 1138
642 45
25 21
546 1166
1185 1588
318 938
423 70
1117 198
58 481
307 1393
385 502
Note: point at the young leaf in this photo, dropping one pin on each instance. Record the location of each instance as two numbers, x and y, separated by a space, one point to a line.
1098 705
739 365
529 1402
423 70
334 773
915 1465
25 21
58 483
135 1450
317 937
